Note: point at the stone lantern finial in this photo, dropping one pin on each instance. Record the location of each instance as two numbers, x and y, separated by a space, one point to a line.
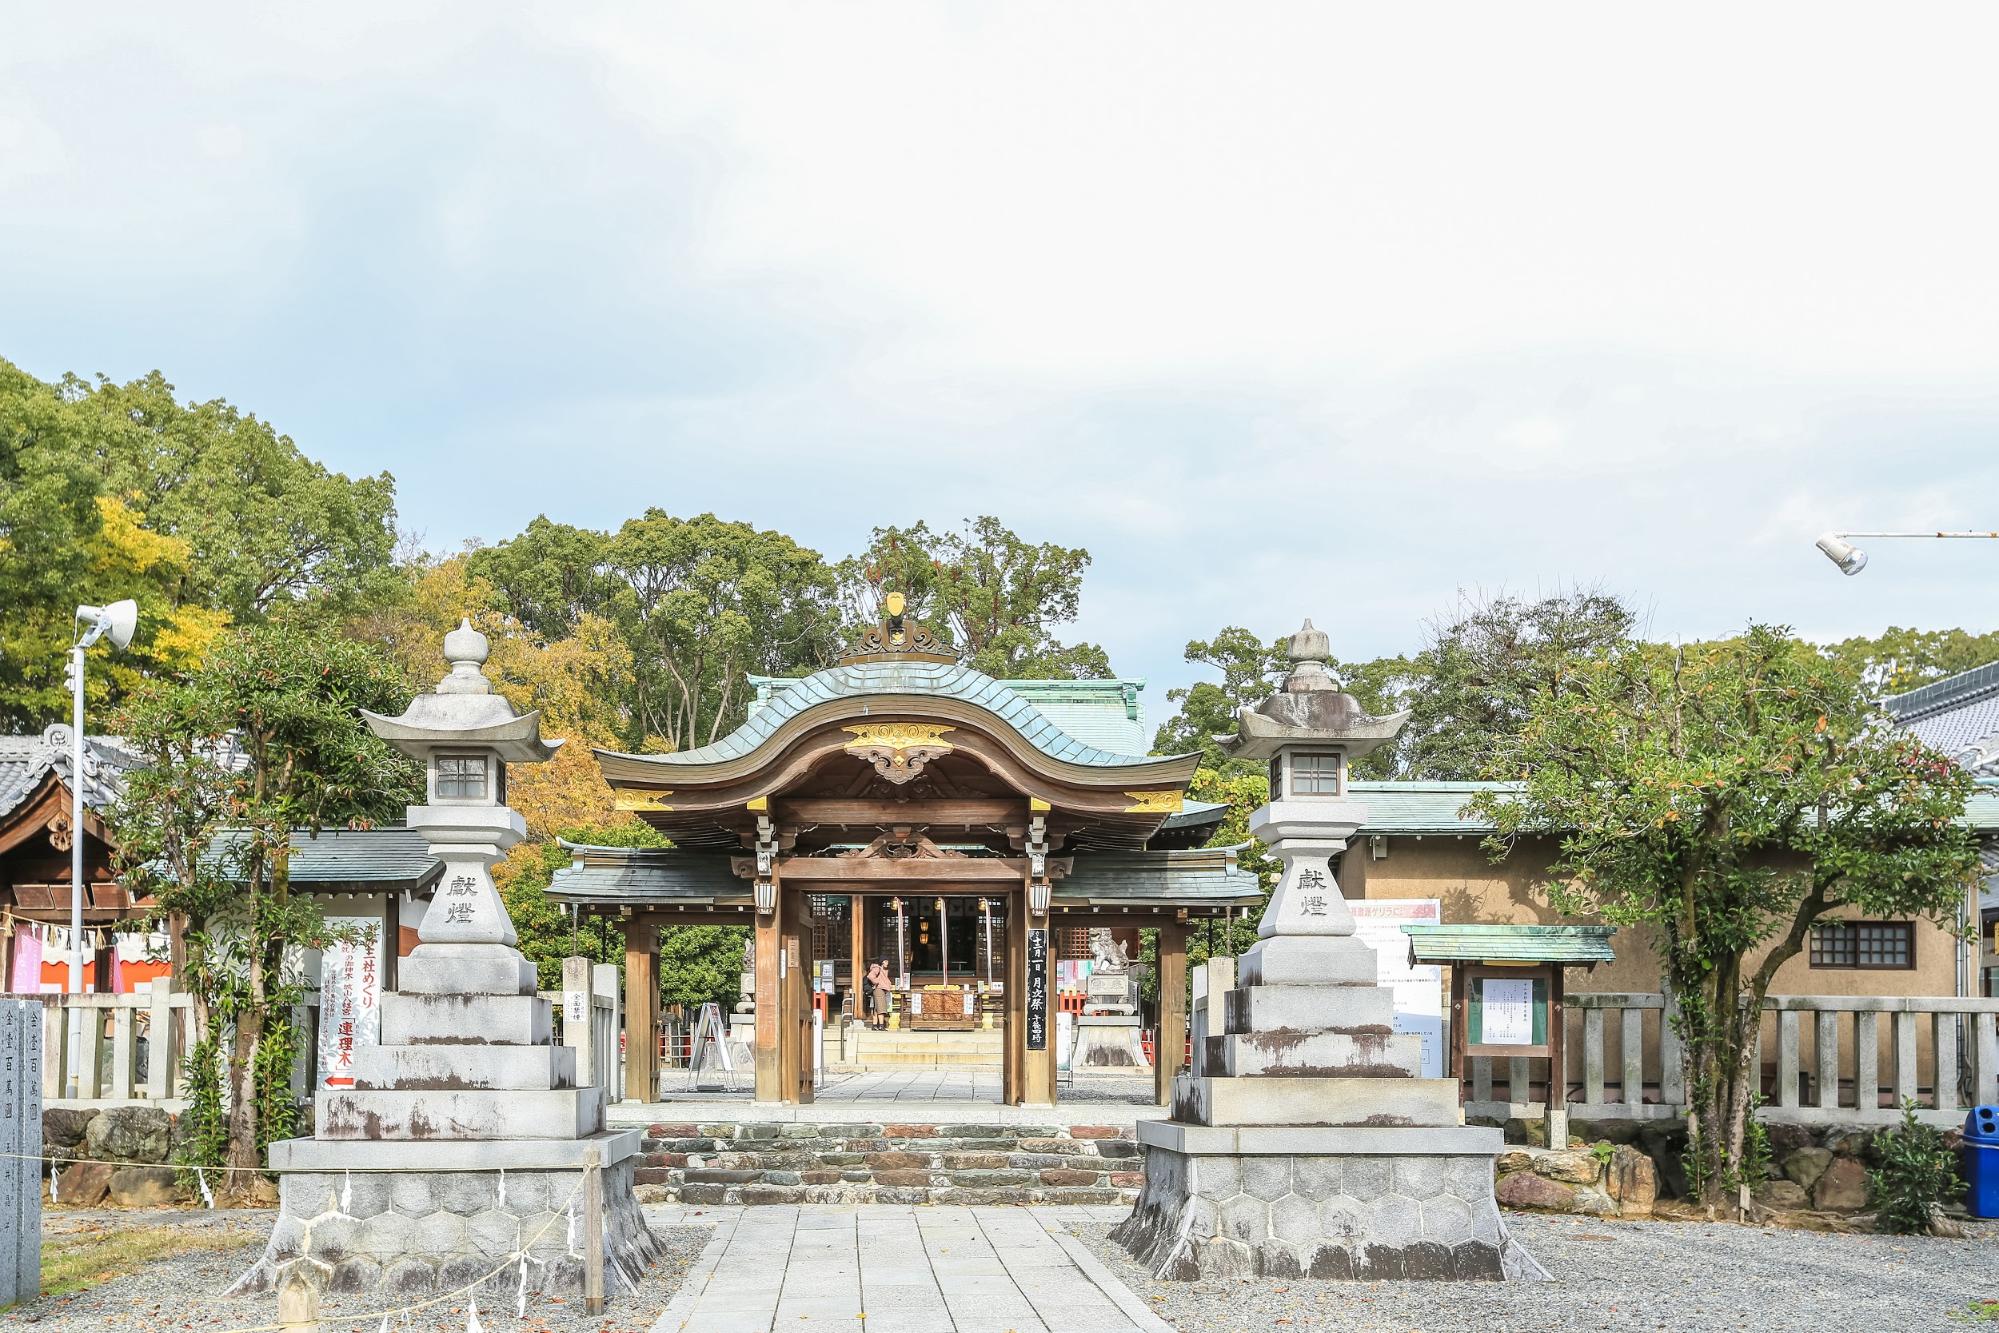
466 650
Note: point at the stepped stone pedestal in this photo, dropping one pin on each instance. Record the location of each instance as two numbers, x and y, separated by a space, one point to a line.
1303 1142
464 1138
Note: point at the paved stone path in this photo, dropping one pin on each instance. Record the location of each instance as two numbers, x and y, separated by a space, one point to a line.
911 1270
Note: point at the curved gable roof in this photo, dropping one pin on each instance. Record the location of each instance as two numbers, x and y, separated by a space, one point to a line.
786 699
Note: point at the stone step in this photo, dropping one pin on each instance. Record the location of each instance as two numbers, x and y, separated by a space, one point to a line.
539 1068
1315 1055
1313 960
466 1020
563 1113
1351 1009
1329 1102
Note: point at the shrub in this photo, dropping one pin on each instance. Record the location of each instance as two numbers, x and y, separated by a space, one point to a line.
1918 1169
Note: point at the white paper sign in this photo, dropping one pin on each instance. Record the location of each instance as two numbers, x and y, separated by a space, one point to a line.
1508 1018
350 994
1419 990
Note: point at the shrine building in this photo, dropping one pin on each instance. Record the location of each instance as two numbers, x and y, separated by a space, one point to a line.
901 806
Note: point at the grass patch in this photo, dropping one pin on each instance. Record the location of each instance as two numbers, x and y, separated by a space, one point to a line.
79 1260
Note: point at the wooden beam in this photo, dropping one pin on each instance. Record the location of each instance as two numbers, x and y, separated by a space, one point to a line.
851 870
846 812
1171 1043
641 1011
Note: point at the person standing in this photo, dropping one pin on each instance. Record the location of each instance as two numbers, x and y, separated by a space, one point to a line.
878 985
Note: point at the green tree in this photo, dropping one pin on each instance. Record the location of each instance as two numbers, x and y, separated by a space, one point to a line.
266 524
995 596
1250 670
264 739
1729 797
703 604
1901 659
1472 686
550 576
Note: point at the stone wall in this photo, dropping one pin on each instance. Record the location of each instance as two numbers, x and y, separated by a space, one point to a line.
764 1162
1609 1180
142 1136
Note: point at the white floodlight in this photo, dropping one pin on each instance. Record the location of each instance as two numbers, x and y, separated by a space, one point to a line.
1850 558
115 622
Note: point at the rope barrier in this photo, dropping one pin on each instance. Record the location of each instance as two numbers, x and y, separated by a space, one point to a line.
522 1254
403 1312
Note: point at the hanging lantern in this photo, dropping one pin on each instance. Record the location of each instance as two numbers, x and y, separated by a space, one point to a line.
1037 897
766 892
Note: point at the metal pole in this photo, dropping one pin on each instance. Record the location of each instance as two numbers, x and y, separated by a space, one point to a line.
76 781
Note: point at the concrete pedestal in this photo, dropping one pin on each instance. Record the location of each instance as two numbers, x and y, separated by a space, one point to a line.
1108 1041
1365 1204
450 1218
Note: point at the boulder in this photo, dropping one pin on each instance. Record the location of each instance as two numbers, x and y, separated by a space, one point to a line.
1577 1166
1804 1166
1666 1145
63 1127
1514 1160
1785 1194
129 1134
1842 1187
83 1186
1524 1189
1633 1181
144 1187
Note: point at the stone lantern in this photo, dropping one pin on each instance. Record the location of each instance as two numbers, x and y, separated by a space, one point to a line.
1302 1141
465 1134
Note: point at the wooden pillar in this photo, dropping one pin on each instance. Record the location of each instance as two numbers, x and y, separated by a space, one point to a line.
1171 1042
770 1078
798 958
857 909
641 1009
1014 970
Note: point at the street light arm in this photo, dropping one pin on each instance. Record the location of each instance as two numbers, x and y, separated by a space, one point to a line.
1851 559
1993 536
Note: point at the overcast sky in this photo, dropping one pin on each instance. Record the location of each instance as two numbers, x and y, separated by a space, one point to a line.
1278 310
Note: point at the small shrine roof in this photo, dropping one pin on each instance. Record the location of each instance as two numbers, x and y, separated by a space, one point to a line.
1569 946
392 857
26 760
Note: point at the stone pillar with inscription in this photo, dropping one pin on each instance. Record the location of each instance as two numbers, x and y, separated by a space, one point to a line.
1303 1141
467 1099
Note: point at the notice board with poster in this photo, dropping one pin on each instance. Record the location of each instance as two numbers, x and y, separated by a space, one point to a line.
350 997
1418 987
1037 989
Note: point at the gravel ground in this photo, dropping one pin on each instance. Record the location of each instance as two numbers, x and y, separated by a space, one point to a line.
1622 1275
184 1292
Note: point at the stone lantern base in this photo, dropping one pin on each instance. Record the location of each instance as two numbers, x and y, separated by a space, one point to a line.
432 1228
1273 1201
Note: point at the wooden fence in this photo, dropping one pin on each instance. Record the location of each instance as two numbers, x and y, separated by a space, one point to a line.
1822 1058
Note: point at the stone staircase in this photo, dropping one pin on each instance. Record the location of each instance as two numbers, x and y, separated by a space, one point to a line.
864 1049
875 1162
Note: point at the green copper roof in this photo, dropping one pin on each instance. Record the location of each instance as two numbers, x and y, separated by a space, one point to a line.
1571 946
781 698
1421 807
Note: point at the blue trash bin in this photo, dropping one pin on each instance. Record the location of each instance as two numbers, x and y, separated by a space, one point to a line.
1981 1161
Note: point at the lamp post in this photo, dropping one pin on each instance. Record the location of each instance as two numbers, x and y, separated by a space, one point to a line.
1851 559
115 622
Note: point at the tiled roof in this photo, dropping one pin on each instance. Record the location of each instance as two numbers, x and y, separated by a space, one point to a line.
1958 715
24 760
1192 877
393 857
1421 807
782 698
1570 945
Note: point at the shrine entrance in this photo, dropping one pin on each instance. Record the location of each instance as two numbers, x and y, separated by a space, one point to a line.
902 807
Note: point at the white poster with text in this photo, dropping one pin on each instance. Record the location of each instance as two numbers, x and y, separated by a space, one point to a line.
350 998
1419 991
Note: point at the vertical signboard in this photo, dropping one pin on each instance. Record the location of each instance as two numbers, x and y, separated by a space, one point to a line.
1419 990
350 995
21 1144
1037 989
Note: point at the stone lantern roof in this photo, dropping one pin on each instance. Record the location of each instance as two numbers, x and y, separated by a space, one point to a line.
1309 708
463 710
